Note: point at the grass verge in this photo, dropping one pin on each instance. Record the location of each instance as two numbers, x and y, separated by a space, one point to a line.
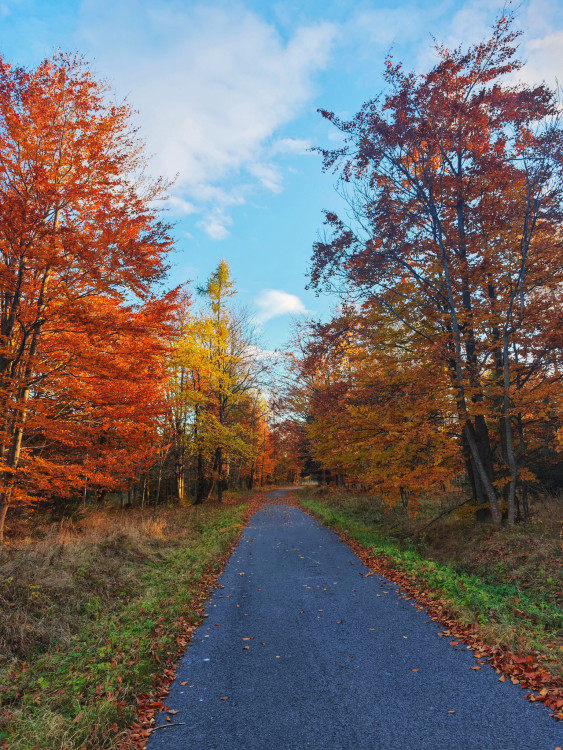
89 618
499 591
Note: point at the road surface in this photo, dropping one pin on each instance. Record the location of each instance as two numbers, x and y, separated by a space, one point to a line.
299 650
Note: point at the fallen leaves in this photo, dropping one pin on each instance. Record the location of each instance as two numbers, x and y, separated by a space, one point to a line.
522 669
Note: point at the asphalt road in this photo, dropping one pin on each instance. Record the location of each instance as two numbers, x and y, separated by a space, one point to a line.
310 654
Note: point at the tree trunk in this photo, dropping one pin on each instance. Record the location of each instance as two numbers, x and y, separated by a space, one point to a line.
144 491
18 424
237 479
486 483
200 480
219 461
508 443
3 512
157 496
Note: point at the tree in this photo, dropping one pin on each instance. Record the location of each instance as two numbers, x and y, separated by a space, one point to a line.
81 249
373 413
455 183
217 378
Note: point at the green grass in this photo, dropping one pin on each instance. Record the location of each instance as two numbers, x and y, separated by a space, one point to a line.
514 602
80 691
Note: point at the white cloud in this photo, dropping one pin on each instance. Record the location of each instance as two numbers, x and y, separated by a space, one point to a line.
215 224
269 175
291 146
272 303
544 58
212 84
180 206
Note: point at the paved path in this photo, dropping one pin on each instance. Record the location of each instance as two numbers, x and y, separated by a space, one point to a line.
310 654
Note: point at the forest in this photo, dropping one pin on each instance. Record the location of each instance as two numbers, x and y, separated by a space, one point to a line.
112 383
441 365
142 421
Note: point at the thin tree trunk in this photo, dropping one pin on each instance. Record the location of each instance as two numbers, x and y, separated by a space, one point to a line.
144 491
200 480
237 479
508 439
157 496
4 504
219 474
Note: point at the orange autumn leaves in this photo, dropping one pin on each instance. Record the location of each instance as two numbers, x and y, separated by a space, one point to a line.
368 412
446 360
82 333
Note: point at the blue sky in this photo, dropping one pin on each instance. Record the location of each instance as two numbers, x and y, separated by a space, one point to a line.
227 94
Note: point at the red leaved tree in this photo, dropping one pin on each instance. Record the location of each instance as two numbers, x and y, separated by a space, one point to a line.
456 187
80 251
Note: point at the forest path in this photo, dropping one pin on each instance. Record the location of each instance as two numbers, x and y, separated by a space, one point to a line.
301 650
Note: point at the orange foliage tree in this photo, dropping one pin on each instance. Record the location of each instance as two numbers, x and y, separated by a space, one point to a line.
455 185
287 452
81 249
373 413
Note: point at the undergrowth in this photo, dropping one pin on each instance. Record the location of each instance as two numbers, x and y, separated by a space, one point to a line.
90 614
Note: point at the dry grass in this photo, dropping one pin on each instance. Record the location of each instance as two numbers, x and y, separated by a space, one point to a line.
64 573
91 608
456 537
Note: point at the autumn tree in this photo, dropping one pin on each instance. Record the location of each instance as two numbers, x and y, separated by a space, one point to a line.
81 249
373 414
455 187
93 426
287 451
217 377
